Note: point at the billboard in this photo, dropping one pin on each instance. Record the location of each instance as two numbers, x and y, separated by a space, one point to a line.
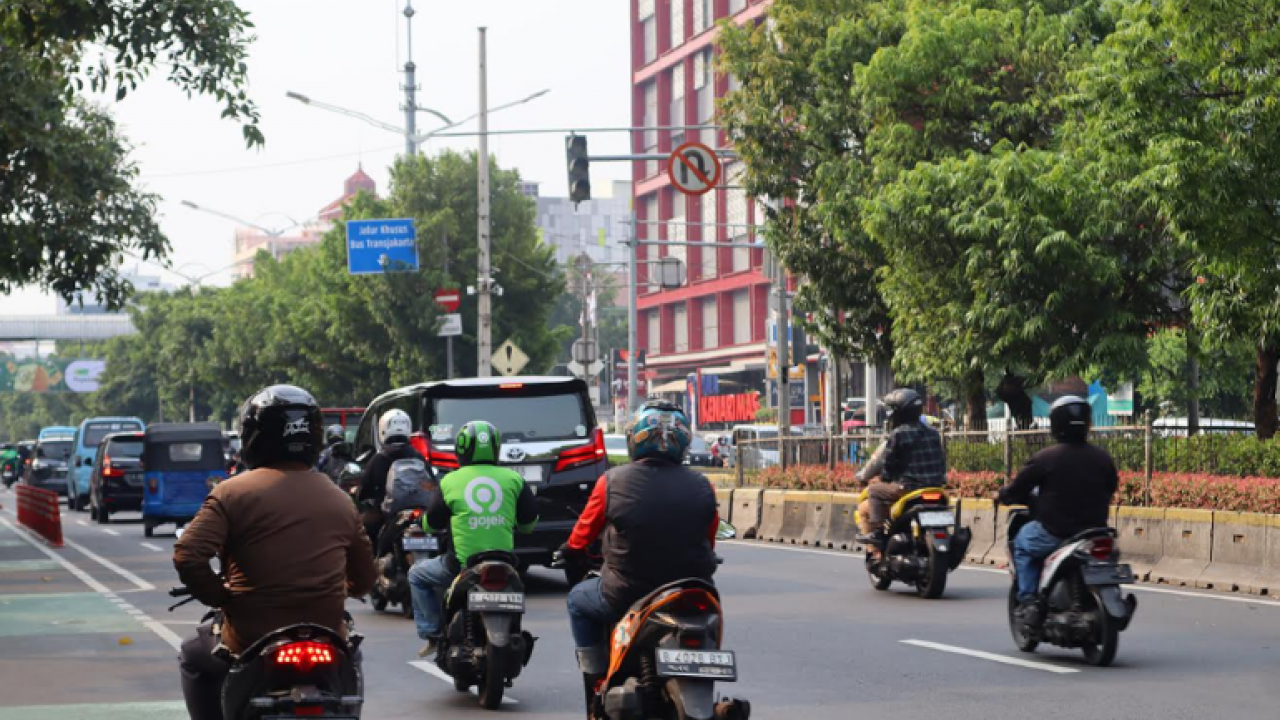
50 375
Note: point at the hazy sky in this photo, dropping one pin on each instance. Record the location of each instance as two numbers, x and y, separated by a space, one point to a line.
350 53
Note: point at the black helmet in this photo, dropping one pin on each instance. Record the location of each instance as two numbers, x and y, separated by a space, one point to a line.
904 406
334 434
1069 419
280 424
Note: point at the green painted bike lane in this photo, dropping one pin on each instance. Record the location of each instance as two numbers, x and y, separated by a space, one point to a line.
71 651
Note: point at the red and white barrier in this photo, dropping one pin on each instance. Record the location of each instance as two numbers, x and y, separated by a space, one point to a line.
40 510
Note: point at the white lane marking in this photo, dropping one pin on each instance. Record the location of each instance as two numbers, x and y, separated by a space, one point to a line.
154 548
110 532
435 672
991 656
137 581
180 622
1139 587
163 632
83 523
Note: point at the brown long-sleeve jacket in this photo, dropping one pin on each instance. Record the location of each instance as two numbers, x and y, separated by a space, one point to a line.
292 549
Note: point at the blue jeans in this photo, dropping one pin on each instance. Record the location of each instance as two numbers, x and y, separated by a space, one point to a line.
590 615
428 579
1030 548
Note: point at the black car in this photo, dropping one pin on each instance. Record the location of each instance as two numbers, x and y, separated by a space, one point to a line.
115 483
549 436
699 453
49 464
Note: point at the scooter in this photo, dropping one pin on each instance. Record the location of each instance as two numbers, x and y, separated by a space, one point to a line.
922 543
299 670
405 543
484 645
1079 599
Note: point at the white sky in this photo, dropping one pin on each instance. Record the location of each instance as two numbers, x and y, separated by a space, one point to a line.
350 53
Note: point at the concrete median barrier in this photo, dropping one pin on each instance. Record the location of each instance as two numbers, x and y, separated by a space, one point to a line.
842 523
980 517
745 513
1140 533
1269 575
795 512
724 503
1187 547
1239 549
817 520
772 514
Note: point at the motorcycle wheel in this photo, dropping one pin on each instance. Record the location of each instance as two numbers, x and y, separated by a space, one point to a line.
879 582
1103 652
1021 637
934 582
101 515
495 668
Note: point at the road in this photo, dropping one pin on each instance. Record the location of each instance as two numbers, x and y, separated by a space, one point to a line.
85 635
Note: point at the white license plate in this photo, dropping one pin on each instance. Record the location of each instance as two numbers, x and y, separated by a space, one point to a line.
712 664
496 601
422 542
937 518
530 473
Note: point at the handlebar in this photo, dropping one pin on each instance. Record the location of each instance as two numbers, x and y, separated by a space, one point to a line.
179 592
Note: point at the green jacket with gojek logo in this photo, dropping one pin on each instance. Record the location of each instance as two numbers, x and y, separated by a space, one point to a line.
482 506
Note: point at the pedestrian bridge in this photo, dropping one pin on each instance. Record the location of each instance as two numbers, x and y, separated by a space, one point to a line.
65 327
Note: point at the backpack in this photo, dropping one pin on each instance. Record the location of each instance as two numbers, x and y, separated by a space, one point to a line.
408 482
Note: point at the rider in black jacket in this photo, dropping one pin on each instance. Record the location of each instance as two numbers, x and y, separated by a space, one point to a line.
1076 482
394 428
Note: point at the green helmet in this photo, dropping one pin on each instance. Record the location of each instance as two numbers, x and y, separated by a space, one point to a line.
478 443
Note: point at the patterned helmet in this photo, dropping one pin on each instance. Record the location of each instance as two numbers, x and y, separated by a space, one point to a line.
660 430
478 443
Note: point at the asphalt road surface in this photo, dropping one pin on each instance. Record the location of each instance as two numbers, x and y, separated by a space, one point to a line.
85 635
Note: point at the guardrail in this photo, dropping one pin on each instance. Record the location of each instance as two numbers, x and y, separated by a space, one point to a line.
40 511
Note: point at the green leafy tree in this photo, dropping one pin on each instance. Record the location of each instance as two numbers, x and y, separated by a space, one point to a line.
1223 384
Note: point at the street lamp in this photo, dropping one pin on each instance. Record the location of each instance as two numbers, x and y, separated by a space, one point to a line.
273 234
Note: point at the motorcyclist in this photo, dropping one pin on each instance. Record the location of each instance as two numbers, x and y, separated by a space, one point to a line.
9 461
910 459
255 526
336 454
394 429
482 505
721 451
659 521
1076 482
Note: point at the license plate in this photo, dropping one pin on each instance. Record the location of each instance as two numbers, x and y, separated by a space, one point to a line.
1107 574
496 602
530 473
422 542
937 518
710 664
133 478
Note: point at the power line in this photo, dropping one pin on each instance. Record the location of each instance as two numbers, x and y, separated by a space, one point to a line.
246 168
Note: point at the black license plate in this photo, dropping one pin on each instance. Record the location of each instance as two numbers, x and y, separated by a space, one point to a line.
1107 574
707 664
422 542
496 602
133 478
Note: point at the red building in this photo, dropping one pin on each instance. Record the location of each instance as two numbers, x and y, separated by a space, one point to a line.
716 322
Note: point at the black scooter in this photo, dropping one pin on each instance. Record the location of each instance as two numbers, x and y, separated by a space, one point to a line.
921 544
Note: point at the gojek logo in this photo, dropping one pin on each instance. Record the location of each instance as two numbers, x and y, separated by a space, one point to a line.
484 498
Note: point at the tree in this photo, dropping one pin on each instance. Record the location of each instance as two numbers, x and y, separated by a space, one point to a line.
1224 377
69 206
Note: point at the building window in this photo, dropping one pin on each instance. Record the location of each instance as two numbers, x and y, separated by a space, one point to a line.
677 104
735 6
741 317
651 121
654 331
703 14
649 29
736 216
710 324
676 226
710 232
677 23
704 85
681 320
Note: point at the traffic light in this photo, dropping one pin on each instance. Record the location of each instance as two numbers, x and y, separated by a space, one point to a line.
575 150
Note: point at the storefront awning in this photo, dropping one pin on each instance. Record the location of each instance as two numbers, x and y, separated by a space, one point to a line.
673 386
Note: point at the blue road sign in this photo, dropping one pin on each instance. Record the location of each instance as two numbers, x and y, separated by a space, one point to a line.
379 246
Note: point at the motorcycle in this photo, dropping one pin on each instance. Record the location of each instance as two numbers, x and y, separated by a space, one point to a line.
483 644
666 657
401 543
9 472
299 670
1079 595
923 542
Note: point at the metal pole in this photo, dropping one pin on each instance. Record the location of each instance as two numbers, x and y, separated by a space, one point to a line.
483 339
869 376
633 279
784 367
448 342
410 87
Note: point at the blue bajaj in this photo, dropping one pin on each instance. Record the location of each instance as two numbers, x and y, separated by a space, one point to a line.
182 462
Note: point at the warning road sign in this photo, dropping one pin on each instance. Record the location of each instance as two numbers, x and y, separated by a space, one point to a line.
694 169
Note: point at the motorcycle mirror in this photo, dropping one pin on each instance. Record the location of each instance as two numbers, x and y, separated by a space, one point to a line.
726 531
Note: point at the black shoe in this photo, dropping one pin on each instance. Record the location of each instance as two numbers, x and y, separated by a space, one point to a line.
589 683
1029 614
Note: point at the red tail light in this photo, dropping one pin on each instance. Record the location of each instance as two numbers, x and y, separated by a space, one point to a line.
446 460
940 535
1102 548
493 577
305 655
417 514
308 711
691 601
153 485
931 496
511 386
588 454
419 443
691 642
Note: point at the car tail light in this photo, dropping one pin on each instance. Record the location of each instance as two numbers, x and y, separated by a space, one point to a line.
439 458
419 442
494 577
1102 548
588 454
511 386
108 471
308 711
305 655
153 485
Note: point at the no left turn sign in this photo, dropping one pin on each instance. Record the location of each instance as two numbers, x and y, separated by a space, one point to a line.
694 169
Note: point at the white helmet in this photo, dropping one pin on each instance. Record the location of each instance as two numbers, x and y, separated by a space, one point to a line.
393 424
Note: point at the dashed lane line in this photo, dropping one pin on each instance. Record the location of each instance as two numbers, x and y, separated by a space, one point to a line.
153 548
1005 659
137 581
435 672
110 532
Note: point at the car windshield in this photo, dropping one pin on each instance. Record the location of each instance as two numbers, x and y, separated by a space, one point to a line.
125 448
94 432
55 449
521 419
615 443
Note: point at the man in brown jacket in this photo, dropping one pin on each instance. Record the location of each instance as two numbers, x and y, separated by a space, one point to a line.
291 544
